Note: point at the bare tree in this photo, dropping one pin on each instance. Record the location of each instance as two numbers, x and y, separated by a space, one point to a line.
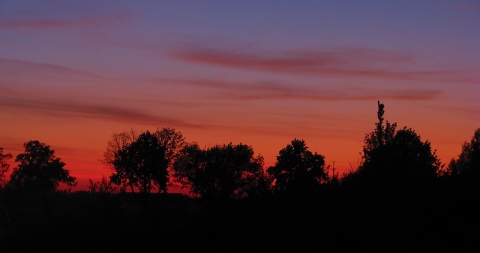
117 142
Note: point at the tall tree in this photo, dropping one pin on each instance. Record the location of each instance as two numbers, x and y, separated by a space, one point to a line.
298 170
468 161
172 141
396 157
222 172
169 138
4 166
117 142
374 142
39 169
141 164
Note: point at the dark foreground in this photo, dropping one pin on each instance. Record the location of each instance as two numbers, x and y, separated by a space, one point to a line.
82 221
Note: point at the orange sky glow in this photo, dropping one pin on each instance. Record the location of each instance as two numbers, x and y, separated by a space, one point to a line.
72 73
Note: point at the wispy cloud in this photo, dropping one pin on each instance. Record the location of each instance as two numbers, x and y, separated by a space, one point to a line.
275 90
20 78
12 67
340 62
66 109
459 110
50 23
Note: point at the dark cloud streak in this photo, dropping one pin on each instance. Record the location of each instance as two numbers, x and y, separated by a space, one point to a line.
272 90
49 23
65 109
342 63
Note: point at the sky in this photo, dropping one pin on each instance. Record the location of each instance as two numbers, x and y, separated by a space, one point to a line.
261 73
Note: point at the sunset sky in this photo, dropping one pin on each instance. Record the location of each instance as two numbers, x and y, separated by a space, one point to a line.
260 73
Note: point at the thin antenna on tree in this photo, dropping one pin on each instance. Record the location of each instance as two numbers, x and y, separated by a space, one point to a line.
380 113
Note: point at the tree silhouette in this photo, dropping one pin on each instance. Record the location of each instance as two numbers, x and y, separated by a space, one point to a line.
373 151
4 166
297 169
39 169
396 157
141 164
170 139
222 172
117 142
39 172
468 161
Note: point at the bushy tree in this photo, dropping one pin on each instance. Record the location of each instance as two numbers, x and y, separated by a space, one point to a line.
374 156
39 169
298 170
222 172
397 157
4 166
468 161
141 164
170 139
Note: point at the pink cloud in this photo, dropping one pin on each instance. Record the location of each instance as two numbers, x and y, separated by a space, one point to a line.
274 90
343 62
12 67
48 23
65 109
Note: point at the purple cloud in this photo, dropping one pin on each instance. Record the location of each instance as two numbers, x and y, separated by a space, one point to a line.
65 109
274 90
342 62
49 23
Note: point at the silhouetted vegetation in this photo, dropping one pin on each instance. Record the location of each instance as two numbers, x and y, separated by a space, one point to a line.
39 170
141 164
222 172
4 166
394 161
468 161
168 139
298 171
398 200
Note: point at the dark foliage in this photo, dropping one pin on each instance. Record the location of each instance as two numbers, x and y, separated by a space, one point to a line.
4 166
39 170
141 164
394 160
397 201
468 161
168 138
298 171
221 173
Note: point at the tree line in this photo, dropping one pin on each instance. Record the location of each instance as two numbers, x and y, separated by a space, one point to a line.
400 198
153 161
